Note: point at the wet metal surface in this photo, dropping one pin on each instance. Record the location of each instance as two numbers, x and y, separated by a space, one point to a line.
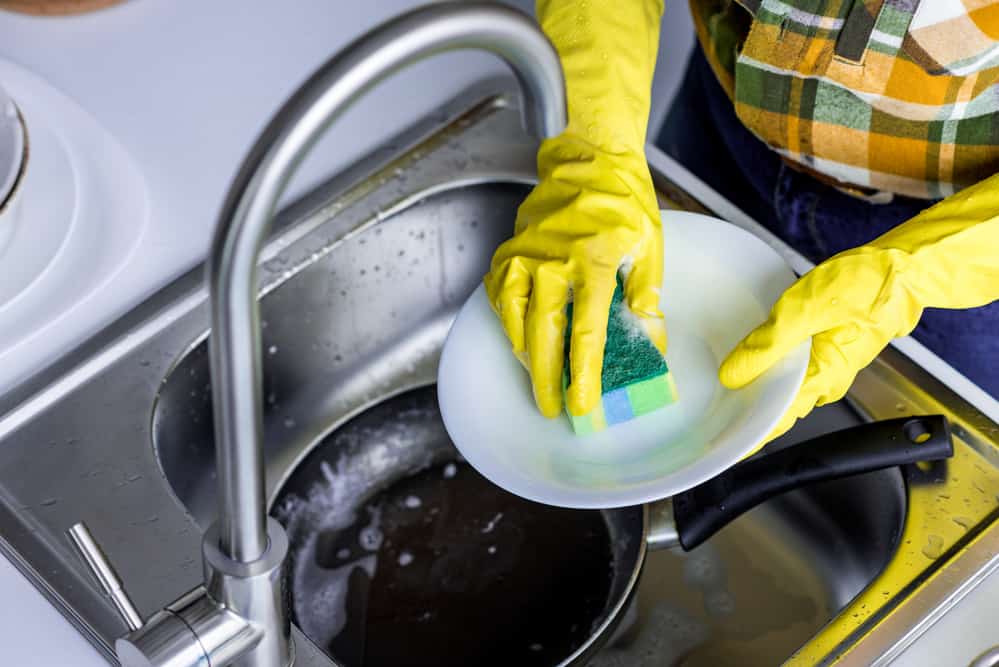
359 284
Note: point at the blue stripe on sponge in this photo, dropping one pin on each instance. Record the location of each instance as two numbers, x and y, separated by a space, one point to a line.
617 406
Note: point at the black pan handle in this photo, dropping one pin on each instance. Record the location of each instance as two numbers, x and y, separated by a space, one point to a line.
703 510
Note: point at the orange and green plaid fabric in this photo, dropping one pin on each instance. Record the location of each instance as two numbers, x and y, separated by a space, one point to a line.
896 96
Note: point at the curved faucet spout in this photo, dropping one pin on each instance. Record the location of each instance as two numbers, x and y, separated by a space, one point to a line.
249 207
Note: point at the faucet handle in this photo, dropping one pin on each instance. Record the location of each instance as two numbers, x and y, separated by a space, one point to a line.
97 562
193 631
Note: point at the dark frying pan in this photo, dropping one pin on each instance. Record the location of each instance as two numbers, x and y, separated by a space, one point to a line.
688 519
392 442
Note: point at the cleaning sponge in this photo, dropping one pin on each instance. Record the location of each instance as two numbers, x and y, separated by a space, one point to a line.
635 379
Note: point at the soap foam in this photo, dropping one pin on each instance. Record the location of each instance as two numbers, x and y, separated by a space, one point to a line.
633 325
363 456
321 593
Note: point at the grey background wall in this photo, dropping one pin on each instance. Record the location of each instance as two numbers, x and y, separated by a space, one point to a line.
676 40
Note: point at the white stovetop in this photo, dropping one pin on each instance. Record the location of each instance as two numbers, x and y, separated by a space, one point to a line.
184 86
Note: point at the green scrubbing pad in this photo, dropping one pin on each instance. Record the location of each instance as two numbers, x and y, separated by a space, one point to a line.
635 379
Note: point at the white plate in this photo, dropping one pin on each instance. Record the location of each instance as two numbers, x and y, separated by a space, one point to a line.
720 282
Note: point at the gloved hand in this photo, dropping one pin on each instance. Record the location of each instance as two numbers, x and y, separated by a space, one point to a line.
594 210
853 304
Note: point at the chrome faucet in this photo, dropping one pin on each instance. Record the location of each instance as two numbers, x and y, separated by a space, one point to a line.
238 616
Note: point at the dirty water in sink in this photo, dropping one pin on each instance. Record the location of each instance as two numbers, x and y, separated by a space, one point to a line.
479 576
440 567
752 595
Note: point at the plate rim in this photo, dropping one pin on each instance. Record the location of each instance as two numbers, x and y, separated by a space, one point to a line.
641 494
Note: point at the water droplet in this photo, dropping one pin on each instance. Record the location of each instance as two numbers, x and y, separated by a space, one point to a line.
272 350
491 549
405 558
719 603
933 547
963 521
144 362
150 519
413 502
491 524
536 646
343 554
450 470
289 422
49 502
370 538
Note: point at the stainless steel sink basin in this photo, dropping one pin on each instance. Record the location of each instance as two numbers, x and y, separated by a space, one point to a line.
367 320
359 285
361 323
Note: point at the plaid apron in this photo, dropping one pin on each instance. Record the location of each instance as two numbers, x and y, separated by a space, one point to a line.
875 97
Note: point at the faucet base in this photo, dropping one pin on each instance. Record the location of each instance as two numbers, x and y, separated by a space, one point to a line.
238 618
164 641
255 592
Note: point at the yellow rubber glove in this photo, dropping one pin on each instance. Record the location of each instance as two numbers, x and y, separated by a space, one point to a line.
594 210
855 303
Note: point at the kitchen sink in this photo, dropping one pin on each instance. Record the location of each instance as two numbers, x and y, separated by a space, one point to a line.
366 321
359 284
